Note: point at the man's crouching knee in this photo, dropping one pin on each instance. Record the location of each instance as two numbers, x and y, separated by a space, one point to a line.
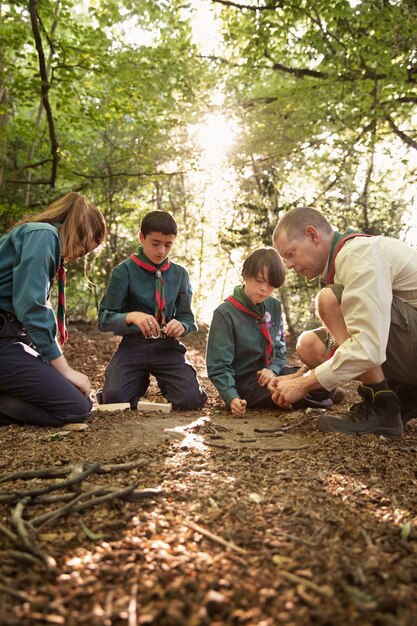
311 349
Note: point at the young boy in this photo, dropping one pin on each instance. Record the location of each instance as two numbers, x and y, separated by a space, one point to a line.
245 346
148 302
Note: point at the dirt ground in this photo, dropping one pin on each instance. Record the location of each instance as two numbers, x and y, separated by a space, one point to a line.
197 519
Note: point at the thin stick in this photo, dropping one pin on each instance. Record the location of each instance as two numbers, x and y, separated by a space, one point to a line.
110 496
303 581
284 429
215 538
15 593
122 467
275 449
23 534
132 608
47 472
217 445
25 557
30 493
40 521
10 534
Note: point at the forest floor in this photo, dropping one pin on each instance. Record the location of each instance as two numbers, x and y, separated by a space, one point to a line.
197 519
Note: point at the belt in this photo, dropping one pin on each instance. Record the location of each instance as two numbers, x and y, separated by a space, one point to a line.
9 316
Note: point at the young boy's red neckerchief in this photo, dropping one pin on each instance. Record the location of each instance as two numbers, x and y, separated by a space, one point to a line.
262 325
160 301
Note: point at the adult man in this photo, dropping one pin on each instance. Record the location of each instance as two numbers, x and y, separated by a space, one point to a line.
369 309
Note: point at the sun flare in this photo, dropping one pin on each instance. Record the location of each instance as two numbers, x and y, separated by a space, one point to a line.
214 136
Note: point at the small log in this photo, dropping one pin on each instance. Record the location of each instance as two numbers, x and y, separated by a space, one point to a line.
154 406
142 406
115 406
75 426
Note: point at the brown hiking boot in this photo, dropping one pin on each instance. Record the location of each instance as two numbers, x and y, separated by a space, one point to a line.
378 414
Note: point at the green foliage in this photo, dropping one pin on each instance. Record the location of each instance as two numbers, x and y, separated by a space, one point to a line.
323 94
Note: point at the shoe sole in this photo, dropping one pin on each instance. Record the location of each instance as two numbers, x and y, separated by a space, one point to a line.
388 432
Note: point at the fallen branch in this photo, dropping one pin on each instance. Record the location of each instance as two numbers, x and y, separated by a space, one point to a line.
47 472
76 499
299 580
215 538
9 534
54 472
217 445
222 428
99 493
20 525
121 493
122 467
257 448
31 493
132 610
285 429
15 593
25 557
279 449
41 520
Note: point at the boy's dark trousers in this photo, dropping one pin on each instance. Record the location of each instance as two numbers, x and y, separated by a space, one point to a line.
32 391
127 374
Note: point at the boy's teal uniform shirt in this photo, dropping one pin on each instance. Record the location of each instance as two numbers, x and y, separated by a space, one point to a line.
236 347
132 288
30 255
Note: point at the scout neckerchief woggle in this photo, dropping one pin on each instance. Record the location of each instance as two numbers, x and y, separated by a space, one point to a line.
160 302
60 314
242 303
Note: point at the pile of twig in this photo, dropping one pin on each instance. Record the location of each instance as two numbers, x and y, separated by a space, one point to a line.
76 494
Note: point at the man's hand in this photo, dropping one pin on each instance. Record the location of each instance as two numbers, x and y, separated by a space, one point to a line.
265 376
145 322
238 407
174 328
285 390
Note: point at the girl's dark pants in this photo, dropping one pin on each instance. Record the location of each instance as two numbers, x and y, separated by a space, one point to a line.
127 374
32 391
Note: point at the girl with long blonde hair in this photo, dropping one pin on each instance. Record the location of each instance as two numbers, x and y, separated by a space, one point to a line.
37 385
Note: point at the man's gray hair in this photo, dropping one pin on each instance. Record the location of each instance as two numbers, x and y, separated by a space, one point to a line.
295 221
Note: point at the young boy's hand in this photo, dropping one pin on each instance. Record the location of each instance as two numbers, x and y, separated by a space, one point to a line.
147 323
238 407
265 376
174 328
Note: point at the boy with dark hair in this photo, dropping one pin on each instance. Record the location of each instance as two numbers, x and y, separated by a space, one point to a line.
148 302
246 347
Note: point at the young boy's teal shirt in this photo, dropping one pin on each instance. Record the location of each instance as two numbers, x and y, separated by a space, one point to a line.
30 255
132 288
236 347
